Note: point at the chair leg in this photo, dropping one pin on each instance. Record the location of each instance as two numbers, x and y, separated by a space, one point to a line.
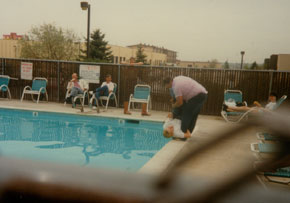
107 103
38 98
22 96
32 97
129 105
116 101
46 96
8 94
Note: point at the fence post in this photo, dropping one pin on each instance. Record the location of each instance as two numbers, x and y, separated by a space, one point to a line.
2 66
58 82
119 78
271 82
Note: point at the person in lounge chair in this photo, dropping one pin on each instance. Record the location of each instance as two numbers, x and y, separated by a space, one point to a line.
75 87
172 128
270 106
106 88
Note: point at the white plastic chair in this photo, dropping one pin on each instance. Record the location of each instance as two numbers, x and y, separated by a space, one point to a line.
111 96
141 95
38 87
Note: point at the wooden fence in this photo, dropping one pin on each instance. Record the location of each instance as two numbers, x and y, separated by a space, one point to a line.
255 85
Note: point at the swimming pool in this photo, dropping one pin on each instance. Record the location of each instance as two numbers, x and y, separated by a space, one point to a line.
82 140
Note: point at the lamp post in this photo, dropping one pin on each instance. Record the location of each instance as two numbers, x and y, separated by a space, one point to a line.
242 60
85 5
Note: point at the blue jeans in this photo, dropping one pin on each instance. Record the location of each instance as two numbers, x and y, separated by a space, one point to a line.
75 91
102 91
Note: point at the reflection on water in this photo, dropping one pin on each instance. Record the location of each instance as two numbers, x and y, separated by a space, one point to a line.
92 141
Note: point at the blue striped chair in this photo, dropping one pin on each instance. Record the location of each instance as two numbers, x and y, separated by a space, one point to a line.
4 82
141 95
38 87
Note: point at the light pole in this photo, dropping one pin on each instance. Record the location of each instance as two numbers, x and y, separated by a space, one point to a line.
242 60
85 5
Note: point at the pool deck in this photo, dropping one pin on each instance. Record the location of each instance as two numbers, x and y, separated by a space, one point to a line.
220 162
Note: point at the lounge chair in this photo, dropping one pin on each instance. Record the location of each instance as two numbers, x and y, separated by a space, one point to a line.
111 96
265 148
241 115
281 175
263 136
231 97
38 88
4 82
141 95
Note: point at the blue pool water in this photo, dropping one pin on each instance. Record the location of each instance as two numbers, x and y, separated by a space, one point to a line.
82 140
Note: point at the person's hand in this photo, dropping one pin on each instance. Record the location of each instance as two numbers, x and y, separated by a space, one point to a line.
170 115
257 104
187 134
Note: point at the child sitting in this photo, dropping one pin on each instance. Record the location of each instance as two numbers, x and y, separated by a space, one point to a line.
172 128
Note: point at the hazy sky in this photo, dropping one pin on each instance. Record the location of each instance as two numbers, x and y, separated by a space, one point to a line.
198 30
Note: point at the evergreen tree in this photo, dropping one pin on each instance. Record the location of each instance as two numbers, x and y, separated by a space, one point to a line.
226 65
140 56
254 65
99 50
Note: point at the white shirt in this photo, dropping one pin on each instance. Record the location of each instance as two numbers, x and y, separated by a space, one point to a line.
82 83
270 106
110 85
176 123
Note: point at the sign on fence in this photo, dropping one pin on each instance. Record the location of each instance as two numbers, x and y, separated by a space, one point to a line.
26 70
90 73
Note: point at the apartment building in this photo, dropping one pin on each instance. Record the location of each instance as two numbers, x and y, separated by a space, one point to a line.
199 64
279 62
171 56
123 54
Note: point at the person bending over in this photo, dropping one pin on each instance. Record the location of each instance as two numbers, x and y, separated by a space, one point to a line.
190 95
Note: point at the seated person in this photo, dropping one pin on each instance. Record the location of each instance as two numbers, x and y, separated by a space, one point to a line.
75 87
270 106
172 128
106 88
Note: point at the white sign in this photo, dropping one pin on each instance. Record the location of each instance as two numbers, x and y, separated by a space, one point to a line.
26 70
90 73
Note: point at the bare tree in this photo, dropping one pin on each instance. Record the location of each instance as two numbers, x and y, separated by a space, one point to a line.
50 42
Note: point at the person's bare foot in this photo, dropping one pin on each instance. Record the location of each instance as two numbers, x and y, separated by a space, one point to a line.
127 112
145 114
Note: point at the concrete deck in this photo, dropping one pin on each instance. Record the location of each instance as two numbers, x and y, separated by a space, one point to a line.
220 162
